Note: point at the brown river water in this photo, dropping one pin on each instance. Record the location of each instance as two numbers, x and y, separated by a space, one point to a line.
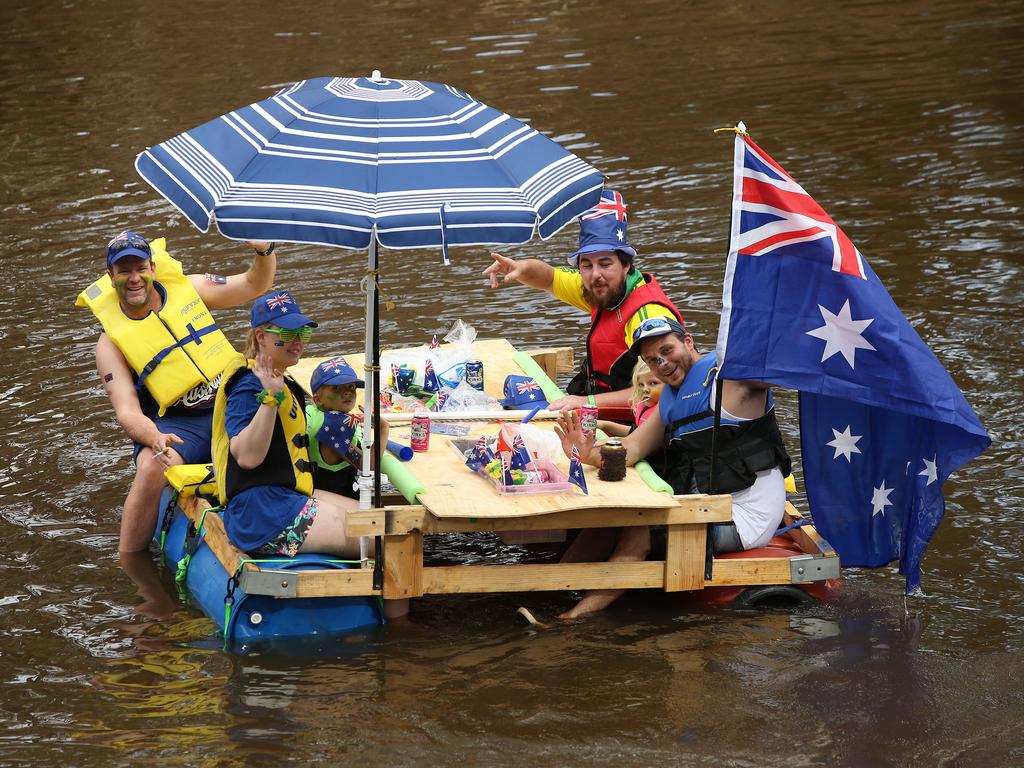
902 119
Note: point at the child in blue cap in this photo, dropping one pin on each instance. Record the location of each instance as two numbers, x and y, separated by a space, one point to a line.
335 434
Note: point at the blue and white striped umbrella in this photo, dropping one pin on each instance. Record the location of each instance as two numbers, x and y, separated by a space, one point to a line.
326 160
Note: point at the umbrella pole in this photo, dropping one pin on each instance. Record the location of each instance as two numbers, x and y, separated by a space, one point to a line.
378 561
370 389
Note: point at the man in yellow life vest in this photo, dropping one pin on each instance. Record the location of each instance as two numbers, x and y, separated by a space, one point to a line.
160 358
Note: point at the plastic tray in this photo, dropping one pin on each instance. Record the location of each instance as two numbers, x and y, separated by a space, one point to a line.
559 484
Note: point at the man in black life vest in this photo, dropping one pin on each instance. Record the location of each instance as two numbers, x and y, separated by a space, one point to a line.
603 281
752 462
168 415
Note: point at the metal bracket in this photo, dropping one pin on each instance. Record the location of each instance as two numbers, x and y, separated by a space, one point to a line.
269 582
807 568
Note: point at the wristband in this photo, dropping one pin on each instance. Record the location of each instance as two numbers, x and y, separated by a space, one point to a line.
267 252
264 397
591 399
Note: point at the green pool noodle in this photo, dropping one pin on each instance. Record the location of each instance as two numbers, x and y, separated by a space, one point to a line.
401 477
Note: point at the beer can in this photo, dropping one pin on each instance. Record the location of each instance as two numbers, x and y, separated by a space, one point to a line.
588 421
420 440
475 374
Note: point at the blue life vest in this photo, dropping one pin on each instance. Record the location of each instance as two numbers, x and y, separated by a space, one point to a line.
744 447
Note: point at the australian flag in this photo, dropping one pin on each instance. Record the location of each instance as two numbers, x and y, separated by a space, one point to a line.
576 476
882 424
520 455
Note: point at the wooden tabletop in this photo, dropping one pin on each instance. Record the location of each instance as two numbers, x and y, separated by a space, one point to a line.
453 491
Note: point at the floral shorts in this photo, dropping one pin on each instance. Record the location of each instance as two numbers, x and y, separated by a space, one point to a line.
288 541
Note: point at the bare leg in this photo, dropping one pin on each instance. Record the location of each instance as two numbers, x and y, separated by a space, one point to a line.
633 545
591 545
327 534
156 602
140 507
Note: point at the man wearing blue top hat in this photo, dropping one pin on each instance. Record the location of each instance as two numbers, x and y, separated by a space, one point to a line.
601 279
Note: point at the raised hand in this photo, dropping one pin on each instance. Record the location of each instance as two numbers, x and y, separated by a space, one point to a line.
271 378
570 433
503 265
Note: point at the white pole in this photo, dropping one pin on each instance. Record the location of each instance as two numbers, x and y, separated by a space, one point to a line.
517 415
365 481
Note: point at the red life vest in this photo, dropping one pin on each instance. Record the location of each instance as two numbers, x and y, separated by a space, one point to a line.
609 364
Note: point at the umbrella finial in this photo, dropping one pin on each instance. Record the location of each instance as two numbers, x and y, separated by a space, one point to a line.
376 75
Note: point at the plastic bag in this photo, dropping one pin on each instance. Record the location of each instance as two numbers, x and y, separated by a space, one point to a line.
466 398
450 362
542 443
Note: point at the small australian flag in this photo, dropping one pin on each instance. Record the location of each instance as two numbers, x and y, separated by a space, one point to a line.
576 476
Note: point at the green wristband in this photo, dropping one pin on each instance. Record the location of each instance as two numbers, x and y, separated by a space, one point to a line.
265 397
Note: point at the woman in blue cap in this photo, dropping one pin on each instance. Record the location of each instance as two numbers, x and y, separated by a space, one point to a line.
260 446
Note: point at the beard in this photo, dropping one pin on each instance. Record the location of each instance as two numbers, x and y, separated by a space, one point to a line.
611 299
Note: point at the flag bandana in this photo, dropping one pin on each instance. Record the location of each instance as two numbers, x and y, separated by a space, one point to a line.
882 424
339 432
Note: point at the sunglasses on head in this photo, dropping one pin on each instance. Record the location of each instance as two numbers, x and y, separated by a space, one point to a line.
288 335
650 325
118 244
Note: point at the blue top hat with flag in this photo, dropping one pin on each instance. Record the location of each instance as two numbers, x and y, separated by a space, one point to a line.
603 228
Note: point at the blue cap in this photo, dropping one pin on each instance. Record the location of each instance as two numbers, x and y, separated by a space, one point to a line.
603 228
523 392
127 244
333 371
655 326
279 308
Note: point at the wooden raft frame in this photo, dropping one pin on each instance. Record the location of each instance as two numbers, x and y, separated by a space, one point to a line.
402 528
406 575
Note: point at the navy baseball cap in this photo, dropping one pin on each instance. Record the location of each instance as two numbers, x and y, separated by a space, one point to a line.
127 244
603 228
655 326
279 308
333 371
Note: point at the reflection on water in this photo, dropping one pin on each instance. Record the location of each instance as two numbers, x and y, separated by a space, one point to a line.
903 120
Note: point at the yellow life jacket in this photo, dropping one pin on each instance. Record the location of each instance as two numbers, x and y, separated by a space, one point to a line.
287 462
172 350
191 479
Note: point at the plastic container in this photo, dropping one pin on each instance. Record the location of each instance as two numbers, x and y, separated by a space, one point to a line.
557 483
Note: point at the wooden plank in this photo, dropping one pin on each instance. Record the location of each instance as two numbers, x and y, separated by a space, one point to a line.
403 519
806 536
684 557
554 360
403 566
535 578
750 571
215 536
332 582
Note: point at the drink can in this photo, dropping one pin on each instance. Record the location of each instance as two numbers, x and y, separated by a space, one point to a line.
420 440
588 421
475 374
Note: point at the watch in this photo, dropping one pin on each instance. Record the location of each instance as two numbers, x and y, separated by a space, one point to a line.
267 252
